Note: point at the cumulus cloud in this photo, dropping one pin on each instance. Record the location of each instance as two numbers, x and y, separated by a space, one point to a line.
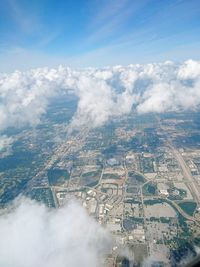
102 93
24 97
32 235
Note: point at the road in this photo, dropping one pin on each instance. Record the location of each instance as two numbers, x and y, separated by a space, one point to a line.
61 151
100 179
195 190
176 206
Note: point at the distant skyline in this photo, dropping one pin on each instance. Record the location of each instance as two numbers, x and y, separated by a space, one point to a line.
83 33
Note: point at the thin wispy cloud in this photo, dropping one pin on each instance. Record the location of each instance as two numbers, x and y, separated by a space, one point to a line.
111 17
27 22
67 31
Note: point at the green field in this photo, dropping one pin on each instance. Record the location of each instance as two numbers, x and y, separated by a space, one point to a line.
114 176
154 201
57 176
90 178
188 206
149 189
135 178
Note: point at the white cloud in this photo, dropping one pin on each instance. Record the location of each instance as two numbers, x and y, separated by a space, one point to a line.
103 93
6 143
190 69
32 235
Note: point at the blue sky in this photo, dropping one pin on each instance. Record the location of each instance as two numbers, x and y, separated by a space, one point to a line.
82 33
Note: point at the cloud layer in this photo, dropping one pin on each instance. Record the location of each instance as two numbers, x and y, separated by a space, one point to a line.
32 235
102 93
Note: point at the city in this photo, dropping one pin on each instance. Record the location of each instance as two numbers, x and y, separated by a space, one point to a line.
138 176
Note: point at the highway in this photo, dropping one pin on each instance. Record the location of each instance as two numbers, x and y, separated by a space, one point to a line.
176 206
58 153
195 190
